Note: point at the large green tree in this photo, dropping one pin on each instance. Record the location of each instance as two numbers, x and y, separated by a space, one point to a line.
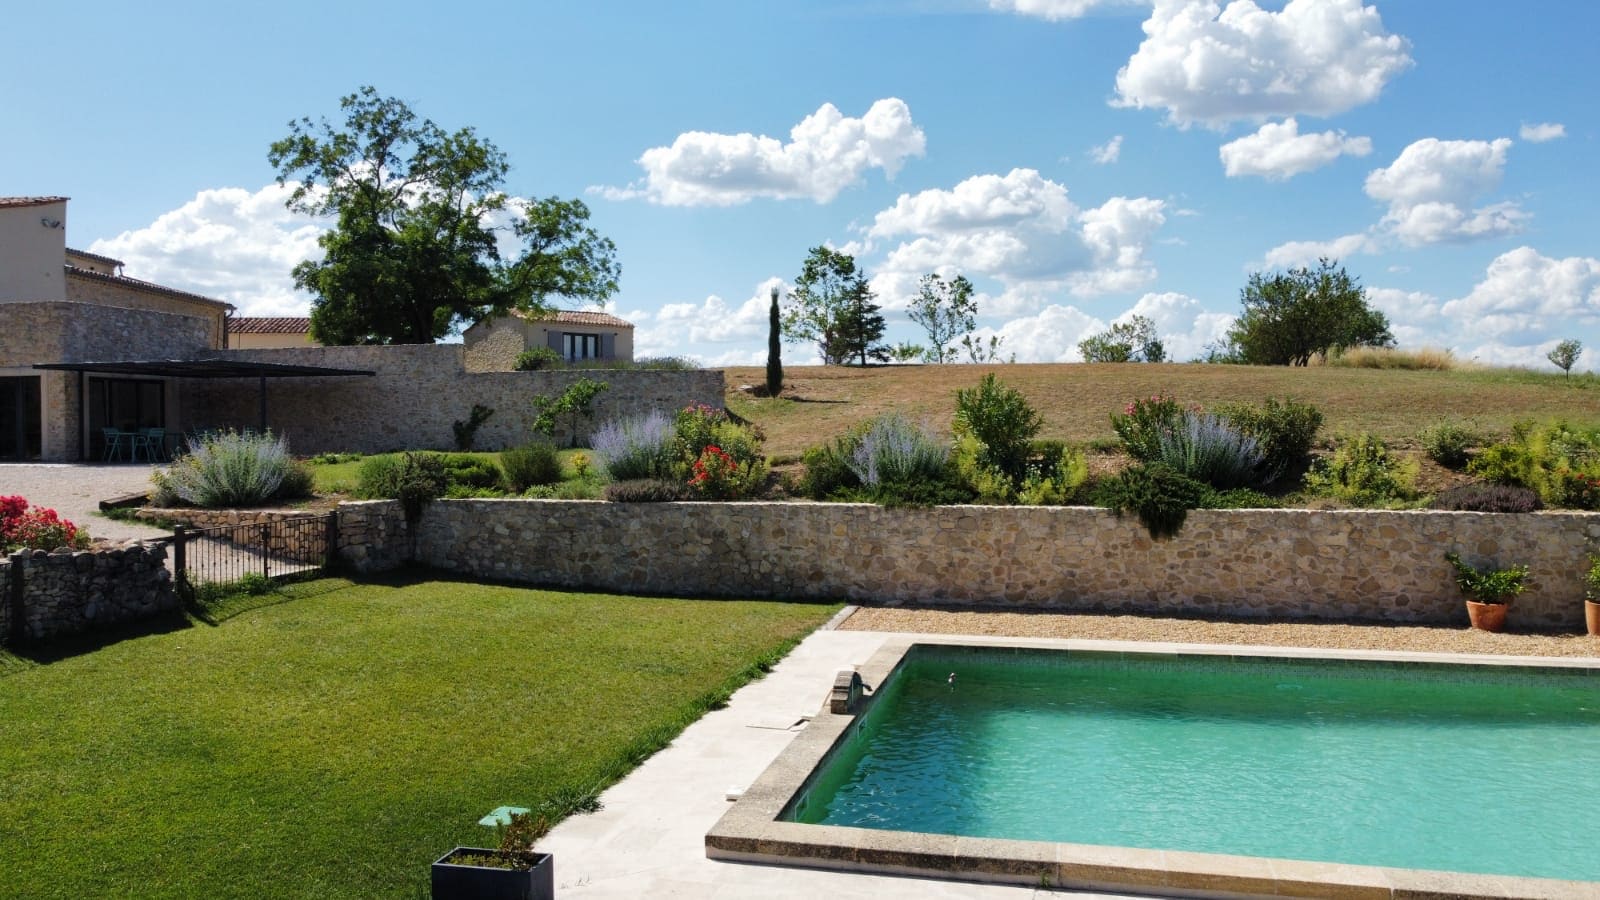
946 310
1291 316
418 213
832 304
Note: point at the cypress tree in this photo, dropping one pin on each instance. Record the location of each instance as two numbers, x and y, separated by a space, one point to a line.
774 357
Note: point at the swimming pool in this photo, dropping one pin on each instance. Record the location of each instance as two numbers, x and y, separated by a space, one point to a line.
1143 771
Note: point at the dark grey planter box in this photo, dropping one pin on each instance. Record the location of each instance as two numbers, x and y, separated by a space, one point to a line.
457 882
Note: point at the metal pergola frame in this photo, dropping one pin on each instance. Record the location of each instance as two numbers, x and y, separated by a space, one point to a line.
199 369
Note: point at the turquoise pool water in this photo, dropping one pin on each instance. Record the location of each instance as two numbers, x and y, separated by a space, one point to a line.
1432 767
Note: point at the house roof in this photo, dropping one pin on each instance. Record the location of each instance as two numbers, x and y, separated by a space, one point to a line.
578 317
269 325
29 201
148 286
87 255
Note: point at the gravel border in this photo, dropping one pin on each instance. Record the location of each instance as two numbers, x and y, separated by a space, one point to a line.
1274 633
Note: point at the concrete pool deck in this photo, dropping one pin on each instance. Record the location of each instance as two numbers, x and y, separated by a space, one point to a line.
650 837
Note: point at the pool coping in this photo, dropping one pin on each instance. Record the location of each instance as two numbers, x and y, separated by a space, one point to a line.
751 831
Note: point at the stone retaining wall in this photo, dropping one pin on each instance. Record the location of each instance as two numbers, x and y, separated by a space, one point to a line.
419 391
1358 564
67 592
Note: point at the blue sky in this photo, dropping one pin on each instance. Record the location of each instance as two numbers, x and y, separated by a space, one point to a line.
1080 160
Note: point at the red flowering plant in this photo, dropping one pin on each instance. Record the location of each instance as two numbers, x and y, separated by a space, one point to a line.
24 527
716 475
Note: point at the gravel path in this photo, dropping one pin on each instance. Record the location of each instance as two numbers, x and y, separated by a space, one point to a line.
75 490
1414 638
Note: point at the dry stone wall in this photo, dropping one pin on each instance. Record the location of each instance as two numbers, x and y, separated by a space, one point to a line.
1358 564
418 392
67 592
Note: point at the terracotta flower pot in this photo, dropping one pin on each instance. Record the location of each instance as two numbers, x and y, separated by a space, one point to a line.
1591 617
1487 616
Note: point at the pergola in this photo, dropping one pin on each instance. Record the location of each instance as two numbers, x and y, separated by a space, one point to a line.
201 368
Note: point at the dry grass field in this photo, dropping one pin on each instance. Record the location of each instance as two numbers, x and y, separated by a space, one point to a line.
820 402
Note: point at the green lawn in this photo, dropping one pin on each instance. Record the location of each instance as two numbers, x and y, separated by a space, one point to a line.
332 742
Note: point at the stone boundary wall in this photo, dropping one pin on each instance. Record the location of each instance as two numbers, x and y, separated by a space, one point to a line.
211 518
1356 564
419 391
373 536
68 591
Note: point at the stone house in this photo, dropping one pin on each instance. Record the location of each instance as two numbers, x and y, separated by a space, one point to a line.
60 305
494 344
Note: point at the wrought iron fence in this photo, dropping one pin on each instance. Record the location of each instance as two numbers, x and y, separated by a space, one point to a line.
226 554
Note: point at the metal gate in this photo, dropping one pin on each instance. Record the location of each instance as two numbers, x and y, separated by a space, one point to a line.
226 554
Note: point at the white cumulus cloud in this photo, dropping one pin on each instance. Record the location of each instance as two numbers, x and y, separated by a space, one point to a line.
1279 151
1211 65
1526 298
1021 229
1184 325
1295 254
715 320
1545 131
1430 188
1057 10
228 243
826 153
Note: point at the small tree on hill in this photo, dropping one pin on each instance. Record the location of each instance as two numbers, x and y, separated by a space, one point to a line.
946 310
1291 316
1130 341
1565 355
774 348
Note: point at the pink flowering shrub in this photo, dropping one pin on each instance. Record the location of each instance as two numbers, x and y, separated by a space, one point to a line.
1142 422
24 527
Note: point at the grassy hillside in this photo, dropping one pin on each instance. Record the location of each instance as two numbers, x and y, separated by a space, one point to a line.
822 401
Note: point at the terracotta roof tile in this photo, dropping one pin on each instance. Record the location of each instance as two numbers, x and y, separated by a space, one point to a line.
136 284
269 325
29 201
579 317
87 255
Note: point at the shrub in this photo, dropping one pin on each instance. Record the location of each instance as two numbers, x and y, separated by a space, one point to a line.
1055 473
640 447
1159 495
894 451
415 479
575 403
468 492
1141 423
1362 472
1208 449
1562 463
827 467
645 491
566 490
1427 358
1002 421
1239 498
699 427
1446 442
1284 429
526 466
1500 498
475 472
228 468
298 482
537 358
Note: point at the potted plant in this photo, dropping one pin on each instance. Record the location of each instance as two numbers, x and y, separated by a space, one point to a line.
1591 596
515 871
1488 591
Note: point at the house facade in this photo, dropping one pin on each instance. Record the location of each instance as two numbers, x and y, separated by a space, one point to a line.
63 305
494 344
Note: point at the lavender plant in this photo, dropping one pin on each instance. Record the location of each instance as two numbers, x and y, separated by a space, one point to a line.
229 468
895 451
637 447
1208 449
